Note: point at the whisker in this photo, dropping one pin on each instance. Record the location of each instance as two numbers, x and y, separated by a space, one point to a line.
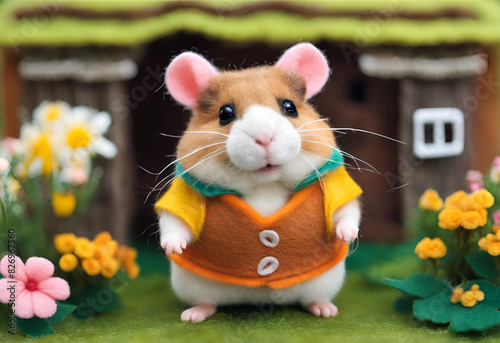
155 188
346 154
310 122
191 153
347 165
327 159
147 171
212 132
167 135
211 160
228 165
356 241
185 171
320 178
356 158
355 130
327 144
398 187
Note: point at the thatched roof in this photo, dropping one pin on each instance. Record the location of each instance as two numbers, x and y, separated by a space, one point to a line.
363 22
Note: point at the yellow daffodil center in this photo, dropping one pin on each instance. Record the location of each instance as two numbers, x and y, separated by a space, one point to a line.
78 137
42 149
53 112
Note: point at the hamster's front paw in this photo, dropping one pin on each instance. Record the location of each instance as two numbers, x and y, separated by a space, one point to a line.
174 245
347 232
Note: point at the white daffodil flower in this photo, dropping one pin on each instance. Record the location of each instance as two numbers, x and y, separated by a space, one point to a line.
84 128
49 114
39 150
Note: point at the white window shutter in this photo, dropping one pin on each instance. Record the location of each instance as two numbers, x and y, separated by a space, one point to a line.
438 132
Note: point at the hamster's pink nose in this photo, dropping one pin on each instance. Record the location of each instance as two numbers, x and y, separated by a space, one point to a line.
264 137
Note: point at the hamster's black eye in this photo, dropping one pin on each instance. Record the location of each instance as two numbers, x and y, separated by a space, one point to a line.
288 108
227 114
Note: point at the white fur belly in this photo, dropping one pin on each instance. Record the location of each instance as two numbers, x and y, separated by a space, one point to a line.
195 289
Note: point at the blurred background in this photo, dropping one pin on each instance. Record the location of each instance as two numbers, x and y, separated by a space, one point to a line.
392 61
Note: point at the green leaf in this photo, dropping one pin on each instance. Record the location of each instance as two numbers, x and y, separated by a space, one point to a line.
439 309
419 285
404 304
483 264
34 327
63 310
94 300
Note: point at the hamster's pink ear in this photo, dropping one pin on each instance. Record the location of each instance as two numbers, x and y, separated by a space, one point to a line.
305 60
187 76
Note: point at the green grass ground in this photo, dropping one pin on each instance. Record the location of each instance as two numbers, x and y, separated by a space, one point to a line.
151 314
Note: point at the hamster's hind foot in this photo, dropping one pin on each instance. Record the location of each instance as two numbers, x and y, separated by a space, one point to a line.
323 309
198 313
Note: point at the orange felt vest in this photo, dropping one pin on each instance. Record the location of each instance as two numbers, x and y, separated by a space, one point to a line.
237 245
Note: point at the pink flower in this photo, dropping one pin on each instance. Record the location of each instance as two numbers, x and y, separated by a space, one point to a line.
4 164
475 180
35 290
78 176
11 145
473 176
475 186
496 163
496 217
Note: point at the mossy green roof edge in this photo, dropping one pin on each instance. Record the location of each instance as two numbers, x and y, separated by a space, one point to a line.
266 26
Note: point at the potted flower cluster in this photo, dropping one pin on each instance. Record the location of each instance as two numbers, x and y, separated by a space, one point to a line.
47 178
461 254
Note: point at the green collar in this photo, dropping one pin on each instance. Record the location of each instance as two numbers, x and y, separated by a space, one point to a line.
210 190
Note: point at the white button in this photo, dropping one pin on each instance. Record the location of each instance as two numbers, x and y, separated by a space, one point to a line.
269 238
267 266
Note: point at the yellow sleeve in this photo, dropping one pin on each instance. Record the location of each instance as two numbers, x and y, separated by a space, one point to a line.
185 203
339 189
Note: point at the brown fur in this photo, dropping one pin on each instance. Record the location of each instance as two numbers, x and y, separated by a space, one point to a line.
244 88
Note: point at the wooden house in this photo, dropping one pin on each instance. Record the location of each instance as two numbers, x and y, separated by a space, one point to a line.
423 72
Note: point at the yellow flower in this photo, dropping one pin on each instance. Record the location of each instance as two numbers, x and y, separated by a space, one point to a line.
471 220
84 249
455 296
42 150
68 262
479 294
132 270
13 187
130 256
65 242
457 200
496 228
78 137
430 200
53 112
430 248
481 199
483 213
102 237
106 250
450 218
91 266
109 267
485 242
470 298
63 204
494 249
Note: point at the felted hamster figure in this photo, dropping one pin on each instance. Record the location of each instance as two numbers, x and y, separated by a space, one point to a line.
262 208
